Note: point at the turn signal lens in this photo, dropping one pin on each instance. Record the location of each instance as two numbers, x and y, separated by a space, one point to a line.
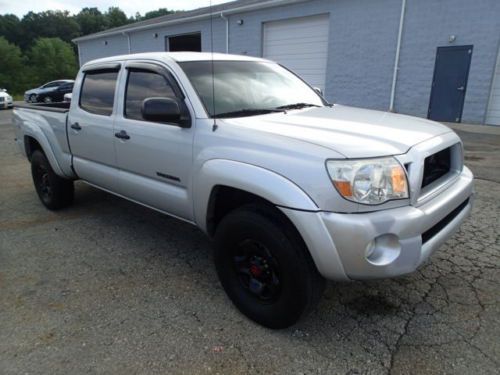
344 188
398 180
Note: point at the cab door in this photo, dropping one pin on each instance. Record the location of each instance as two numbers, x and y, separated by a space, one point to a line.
154 158
90 126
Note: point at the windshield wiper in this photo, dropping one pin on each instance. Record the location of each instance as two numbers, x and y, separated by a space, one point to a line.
247 112
297 106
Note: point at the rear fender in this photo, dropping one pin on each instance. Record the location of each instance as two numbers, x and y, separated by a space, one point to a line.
35 126
47 150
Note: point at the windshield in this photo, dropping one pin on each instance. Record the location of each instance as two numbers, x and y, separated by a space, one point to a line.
245 88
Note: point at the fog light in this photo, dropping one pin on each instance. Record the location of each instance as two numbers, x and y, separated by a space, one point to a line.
383 250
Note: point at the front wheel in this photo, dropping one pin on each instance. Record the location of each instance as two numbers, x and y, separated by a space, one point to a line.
54 192
265 268
32 98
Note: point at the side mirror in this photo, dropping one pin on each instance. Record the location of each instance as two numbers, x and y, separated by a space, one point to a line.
318 90
161 110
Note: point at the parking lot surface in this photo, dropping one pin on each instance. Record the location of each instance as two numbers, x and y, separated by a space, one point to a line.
107 286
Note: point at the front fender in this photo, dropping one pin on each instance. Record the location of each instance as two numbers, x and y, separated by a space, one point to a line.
262 182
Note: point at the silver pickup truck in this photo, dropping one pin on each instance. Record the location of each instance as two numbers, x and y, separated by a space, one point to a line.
292 190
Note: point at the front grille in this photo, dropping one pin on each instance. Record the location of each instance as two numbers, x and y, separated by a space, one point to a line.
427 235
436 166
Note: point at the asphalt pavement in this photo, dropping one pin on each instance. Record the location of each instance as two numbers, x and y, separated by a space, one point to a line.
110 287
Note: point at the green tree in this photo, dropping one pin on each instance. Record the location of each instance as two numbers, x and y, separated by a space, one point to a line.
11 67
51 59
157 13
10 28
90 20
50 24
115 17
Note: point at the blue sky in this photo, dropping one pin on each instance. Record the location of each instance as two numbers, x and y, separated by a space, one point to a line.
130 7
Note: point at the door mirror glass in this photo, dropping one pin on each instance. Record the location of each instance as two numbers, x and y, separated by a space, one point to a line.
161 110
318 90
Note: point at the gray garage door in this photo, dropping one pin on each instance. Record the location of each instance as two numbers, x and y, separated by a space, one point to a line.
493 115
300 44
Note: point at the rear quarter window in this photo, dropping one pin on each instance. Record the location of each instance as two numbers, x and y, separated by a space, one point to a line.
98 92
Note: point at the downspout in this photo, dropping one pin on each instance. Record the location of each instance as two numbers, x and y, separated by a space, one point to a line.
396 61
128 41
227 31
79 55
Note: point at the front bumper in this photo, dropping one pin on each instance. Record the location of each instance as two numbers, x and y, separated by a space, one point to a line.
385 243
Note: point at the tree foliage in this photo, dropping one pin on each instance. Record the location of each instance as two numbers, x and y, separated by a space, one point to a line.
116 17
156 13
51 24
38 48
51 59
10 28
91 20
11 65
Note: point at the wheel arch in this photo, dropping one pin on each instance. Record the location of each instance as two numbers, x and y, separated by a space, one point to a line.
36 142
241 183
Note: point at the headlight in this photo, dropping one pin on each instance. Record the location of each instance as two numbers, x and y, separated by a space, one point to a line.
369 181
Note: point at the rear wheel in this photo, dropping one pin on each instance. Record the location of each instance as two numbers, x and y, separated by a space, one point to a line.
265 268
54 192
47 100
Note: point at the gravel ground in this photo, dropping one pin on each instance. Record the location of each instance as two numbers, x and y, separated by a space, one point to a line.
107 286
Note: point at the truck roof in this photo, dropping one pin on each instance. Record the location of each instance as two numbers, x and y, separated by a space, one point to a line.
177 57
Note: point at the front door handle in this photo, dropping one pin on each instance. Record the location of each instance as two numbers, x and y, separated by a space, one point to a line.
461 88
122 135
76 126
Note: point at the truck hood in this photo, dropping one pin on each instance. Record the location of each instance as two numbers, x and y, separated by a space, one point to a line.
352 132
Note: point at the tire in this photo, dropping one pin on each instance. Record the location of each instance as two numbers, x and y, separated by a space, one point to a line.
54 192
32 98
265 267
47 100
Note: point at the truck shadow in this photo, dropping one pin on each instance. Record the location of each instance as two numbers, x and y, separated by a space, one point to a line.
163 241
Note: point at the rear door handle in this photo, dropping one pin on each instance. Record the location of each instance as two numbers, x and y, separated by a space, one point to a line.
461 88
122 135
76 126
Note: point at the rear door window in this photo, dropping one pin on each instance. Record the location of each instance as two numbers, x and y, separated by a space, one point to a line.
98 92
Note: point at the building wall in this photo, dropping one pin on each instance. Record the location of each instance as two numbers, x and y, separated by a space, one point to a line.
428 25
144 41
362 47
95 49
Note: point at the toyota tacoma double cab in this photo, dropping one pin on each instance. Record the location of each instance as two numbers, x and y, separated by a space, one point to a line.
291 189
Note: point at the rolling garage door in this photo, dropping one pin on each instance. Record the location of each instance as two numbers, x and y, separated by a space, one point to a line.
493 115
300 44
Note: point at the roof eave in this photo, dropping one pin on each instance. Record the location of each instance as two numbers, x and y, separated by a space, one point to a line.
268 4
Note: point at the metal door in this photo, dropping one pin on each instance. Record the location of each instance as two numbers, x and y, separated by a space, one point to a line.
154 159
449 83
90 122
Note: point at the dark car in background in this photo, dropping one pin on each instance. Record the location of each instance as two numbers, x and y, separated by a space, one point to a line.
50 92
